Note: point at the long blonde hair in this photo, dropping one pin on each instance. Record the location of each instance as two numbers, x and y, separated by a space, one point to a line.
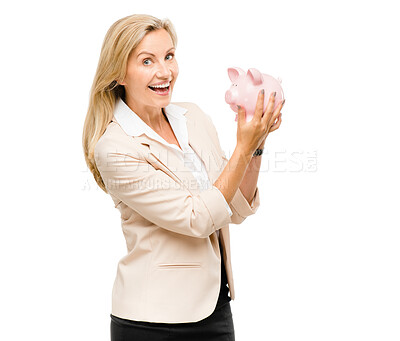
121 39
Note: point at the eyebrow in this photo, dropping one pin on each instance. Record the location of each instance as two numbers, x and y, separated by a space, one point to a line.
151 54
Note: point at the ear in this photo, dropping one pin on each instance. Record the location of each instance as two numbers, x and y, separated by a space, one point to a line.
255 76
234 73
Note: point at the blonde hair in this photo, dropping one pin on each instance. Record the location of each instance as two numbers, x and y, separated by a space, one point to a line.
121 39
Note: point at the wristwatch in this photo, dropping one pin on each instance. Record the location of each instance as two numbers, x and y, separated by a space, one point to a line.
258 152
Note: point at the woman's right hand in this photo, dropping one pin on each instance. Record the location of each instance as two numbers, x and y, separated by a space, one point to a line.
251 134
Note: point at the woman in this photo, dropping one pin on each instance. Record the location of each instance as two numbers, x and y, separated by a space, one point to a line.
164 168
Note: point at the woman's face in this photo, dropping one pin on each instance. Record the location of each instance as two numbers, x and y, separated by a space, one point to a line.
151 72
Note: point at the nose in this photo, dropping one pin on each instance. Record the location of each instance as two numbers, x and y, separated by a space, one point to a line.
163 71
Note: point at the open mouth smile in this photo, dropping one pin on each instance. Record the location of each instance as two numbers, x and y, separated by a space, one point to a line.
161 89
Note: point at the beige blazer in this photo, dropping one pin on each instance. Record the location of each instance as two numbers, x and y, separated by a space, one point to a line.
172 270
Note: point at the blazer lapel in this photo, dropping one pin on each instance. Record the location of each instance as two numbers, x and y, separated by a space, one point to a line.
205 149
165 159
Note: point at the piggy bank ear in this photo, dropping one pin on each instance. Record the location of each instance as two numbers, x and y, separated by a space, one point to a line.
255 76
234 73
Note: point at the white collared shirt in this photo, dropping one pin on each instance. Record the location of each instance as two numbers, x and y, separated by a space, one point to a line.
133 125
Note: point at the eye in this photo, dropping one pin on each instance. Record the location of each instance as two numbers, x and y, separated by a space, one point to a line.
147 62
169 56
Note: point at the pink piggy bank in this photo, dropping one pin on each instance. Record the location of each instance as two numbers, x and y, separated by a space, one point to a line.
245 88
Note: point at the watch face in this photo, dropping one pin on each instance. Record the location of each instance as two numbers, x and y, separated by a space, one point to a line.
258 152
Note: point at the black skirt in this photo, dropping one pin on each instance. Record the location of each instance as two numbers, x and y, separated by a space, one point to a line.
218 326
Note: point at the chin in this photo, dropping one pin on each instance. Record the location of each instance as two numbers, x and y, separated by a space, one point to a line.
164 100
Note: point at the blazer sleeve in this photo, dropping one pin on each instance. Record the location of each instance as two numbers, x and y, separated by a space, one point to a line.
156 196
239 205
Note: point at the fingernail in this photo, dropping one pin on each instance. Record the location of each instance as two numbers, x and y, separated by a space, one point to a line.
238 107
283 102
262 91
275 94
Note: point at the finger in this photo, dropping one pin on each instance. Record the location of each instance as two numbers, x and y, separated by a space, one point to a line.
241 114
277 124
271 104
275 114
260 104
277 118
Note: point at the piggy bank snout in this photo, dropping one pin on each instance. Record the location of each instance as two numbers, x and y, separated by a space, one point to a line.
229 97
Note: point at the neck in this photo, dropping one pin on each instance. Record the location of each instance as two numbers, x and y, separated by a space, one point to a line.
154 117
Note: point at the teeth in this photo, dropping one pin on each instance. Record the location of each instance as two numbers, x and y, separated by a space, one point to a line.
161 85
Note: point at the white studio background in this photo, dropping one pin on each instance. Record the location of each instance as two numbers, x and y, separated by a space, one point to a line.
320 259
